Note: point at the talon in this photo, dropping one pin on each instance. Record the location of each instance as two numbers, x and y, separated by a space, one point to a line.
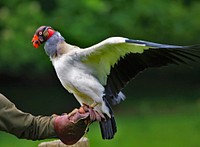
73 112
81 110
93 114
84 108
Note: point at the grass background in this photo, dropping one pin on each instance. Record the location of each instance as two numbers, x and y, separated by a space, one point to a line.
178 126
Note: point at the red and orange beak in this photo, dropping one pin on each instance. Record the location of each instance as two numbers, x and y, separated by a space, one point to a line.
36 41
41 35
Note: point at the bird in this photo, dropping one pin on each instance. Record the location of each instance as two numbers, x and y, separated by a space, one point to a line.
97 75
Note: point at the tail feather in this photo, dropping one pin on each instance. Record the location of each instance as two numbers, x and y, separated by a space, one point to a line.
108 126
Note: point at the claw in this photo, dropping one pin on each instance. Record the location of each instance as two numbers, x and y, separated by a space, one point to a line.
73 112
94 115
81 110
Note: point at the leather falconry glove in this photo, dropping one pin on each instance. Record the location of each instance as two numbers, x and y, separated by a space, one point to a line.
71 127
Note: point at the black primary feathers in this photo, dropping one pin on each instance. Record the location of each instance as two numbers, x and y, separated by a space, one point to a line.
156 56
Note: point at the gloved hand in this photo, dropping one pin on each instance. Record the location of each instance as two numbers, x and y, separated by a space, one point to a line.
70 128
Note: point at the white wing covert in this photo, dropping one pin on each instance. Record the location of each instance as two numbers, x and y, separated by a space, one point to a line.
117 60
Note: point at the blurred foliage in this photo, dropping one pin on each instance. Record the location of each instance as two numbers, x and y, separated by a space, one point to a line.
87 22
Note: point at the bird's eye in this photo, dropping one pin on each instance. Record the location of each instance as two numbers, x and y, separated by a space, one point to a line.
40 33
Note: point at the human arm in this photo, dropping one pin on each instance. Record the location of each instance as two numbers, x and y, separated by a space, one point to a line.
68 128
24 125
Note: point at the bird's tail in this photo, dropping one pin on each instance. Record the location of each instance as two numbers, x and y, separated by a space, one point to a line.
108 126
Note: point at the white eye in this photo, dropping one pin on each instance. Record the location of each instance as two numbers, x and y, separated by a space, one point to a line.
40 33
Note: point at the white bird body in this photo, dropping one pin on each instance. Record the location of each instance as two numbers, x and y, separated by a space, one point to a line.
96 75
78 78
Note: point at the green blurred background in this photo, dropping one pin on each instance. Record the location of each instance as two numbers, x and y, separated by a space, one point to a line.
162 106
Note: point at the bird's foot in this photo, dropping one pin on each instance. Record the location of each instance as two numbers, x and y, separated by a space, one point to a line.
94 115
73 112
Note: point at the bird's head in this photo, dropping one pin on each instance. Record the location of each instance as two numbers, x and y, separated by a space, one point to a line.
41 35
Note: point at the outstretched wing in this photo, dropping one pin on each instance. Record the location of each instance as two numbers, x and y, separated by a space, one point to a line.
115 61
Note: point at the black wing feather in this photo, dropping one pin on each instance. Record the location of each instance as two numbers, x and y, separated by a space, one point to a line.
156 56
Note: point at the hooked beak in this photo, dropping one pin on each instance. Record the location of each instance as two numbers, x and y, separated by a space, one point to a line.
36 42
